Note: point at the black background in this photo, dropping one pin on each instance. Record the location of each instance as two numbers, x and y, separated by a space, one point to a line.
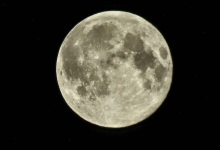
37 113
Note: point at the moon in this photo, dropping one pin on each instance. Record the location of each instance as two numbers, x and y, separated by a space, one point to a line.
114 69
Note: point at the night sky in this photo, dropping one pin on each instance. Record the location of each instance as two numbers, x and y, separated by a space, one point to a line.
37 113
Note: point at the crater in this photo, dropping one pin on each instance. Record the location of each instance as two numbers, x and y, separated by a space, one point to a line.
122 55
71 67
99 36
92 97
103 63
163 52
160 73
109 62
144 59
147 84
81 90
102 90
143 34
133 42
93 76
102 86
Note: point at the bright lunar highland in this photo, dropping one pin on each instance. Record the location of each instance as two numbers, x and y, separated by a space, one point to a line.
114 69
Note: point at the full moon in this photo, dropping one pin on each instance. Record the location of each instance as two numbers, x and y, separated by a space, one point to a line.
114 69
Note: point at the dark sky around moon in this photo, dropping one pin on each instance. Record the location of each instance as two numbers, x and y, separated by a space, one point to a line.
38 114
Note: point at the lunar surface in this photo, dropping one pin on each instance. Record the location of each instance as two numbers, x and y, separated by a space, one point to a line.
114 69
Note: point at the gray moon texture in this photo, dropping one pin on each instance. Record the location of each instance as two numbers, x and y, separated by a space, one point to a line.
114 69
